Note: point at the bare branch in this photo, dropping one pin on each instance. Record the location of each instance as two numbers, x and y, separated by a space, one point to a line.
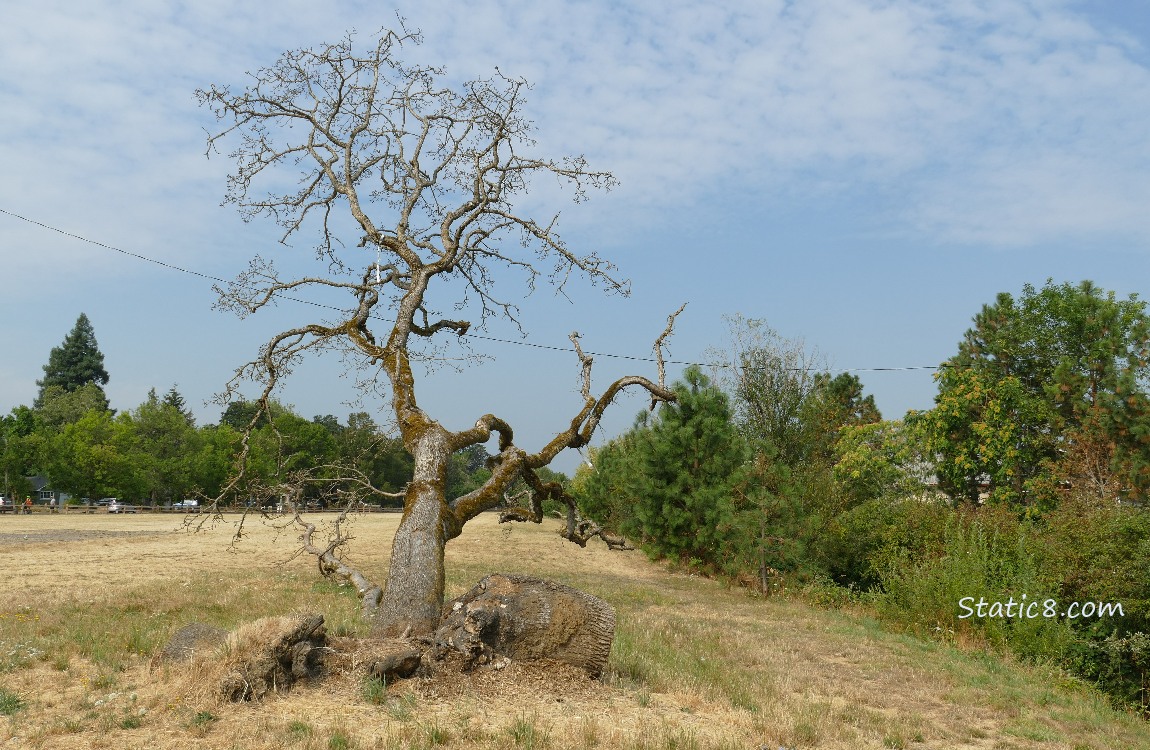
513 463
578 529
661 342
330 564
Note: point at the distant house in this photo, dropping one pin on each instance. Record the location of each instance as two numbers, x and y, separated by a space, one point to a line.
42 491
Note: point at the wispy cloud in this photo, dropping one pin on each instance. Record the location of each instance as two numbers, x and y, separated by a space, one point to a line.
1005 123
977 121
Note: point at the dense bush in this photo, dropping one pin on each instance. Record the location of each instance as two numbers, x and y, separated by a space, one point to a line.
1101 553
860 542
1078 553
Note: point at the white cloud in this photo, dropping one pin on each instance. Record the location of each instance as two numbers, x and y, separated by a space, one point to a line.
1009 123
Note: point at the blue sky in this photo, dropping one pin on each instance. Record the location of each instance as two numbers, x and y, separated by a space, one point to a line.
861 175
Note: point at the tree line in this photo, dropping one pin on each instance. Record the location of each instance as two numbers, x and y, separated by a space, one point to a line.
156 453
1029 476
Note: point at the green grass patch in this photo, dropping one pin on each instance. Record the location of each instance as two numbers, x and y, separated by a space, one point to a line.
434 735
299 731
10 702
340 740
374 690
526 733
401 708
204 719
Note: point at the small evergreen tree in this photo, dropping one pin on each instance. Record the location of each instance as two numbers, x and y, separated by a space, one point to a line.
77 362
606 486
668 482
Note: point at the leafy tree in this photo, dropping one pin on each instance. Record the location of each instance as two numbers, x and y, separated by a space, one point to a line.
772 381
836 403
467 471
786 405
330 423
211 465
94 457
175 400
987 432
382 459
57 407
17 451
885 476
883 460
240 413
77 362
165 443
1040 384
430 177
291 444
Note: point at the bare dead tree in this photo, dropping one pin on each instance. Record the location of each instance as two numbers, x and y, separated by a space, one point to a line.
427 177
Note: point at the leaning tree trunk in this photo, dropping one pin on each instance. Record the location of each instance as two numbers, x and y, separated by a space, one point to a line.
413 597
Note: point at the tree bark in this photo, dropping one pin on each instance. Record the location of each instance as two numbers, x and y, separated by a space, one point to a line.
524 618
413 597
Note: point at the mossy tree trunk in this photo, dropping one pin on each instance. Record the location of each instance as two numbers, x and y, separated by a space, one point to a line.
413 597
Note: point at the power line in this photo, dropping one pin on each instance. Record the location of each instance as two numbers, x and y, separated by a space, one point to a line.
110 247
630 357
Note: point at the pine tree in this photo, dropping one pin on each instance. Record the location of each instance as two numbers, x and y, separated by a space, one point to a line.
175 400
673 474
77 362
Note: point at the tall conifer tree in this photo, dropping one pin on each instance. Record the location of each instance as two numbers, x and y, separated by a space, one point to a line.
78 361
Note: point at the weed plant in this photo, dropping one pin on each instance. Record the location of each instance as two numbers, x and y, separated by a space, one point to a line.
10 702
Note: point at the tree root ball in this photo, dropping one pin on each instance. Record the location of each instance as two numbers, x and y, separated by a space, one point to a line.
271 654
505 617
523 618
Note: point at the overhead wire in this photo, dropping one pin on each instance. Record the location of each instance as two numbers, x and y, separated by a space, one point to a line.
550 347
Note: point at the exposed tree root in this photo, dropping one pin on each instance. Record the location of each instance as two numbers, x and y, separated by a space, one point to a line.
504 618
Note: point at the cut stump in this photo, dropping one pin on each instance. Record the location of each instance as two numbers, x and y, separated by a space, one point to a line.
523 618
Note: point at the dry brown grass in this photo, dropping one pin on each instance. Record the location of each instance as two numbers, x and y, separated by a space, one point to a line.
88 599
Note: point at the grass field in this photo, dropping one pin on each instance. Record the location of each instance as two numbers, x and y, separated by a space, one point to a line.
86 601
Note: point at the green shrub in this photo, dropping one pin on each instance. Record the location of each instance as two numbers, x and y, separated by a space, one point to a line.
985 556
1098 552
861 542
